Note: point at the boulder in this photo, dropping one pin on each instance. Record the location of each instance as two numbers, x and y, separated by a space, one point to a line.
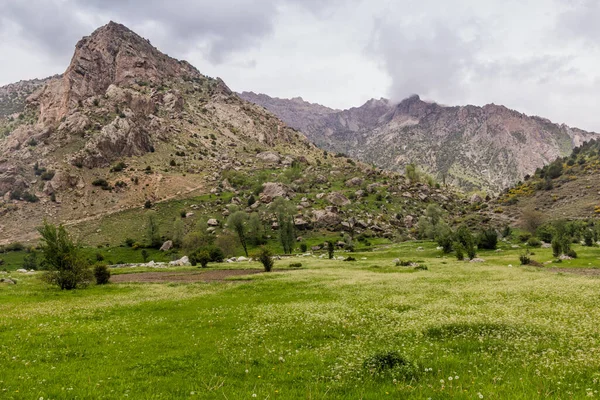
301 223
326 218
212 222
356 181
475 199
409 221
271 190
182 262
269 156
338 199
168 245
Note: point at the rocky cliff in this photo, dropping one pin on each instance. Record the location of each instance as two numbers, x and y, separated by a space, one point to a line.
490 147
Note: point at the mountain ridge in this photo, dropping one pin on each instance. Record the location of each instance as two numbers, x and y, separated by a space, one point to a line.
472 138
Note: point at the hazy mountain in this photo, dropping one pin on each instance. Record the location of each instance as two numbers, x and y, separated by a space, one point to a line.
490 147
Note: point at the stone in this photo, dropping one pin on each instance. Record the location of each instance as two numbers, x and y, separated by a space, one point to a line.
356 181
359 193
8 281
189 214
477 260
301 223
22 271
212 222
168 245
240 259
409 221
475 199
320 196
338 199
325 218
269 156
182 262
272 190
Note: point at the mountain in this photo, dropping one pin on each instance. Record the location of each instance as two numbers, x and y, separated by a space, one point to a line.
128 130
489 147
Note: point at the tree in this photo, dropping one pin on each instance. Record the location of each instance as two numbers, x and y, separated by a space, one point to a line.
30 261
178 233
284 210
65 266
266 259
255 230
532 219
488 239
464 236
153 233
330 249
145 255
237 222
201 257
411 173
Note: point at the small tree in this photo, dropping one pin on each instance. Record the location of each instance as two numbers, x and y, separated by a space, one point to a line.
145 255
62 259
201 257
532 220
488 239
178 233
30 261
460 251
464 236
102 274
330 249
237 222
266 259
153 233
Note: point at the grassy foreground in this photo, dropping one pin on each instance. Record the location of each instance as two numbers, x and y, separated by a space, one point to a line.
470 330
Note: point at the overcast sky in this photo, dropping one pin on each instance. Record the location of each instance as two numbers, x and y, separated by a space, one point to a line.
540 57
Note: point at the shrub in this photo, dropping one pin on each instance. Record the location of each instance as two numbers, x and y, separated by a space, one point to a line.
129 242
524 258
507 231
524 237
216 254
295 265
421 268
460 251
99 257
571 253
402 263
488 239
303 247
350 259
545 233
30 197
62 259
102 274
148 204
391 363
48 175
30 261
119 167
201 257
534 242
330 249
145 255
556 247
588 237
265 258
172 163
100 182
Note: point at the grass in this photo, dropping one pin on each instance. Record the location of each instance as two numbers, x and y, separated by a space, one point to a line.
467 331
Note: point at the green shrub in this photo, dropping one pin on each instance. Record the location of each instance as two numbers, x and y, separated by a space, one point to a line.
350 259
129 242
534 242
295 265
391 363
99 257
524 237
460 251
119 167
201 257
303 247
572 253
148 204
588 237
488 239
524 258
264 256
100 182
421 268
46 176
556 247
216 254
102 274
30 197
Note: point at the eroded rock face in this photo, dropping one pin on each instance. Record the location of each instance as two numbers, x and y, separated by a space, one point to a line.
269 156
10 179
113 54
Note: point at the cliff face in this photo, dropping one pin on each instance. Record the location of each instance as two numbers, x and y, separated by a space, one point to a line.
490 147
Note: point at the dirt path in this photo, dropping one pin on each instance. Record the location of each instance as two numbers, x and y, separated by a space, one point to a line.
158 277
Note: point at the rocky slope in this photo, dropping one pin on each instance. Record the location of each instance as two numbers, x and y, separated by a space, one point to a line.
489 148
127 126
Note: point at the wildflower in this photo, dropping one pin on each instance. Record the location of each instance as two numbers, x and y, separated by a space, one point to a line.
450 378
253 394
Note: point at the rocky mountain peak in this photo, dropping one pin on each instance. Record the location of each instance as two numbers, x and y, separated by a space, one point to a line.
113 54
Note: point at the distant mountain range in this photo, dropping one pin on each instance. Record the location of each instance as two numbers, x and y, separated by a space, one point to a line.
488 148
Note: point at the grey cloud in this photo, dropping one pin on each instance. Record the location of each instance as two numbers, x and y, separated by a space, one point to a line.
580 20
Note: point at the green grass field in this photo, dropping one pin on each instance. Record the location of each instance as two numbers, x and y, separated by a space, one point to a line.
467 331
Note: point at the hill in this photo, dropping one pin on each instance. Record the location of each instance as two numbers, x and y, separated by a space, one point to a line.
127 130
489 148
567 188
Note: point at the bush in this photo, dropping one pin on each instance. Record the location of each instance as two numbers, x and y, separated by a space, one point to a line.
507 231
216 254
391 363
588 237
265 258
148 204
350 259
119 167
100 182
30 197
488 239
295 265
534 242
460 251
303 247
524 258
201 257
556 247
62 258
129 242
330 249
48 175
403 263
30 261
545 233
571 253
102 274
524 237
421 268
99 257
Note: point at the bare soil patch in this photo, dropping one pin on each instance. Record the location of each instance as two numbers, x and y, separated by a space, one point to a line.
201 276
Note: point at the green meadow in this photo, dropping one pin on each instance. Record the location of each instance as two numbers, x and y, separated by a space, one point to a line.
331 329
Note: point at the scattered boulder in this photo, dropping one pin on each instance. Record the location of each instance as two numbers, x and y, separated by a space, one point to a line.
271 190
8 281
356 181
324 218
475 199
182 262
168 245
409 221
212 222
477 260
338 199
269 156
